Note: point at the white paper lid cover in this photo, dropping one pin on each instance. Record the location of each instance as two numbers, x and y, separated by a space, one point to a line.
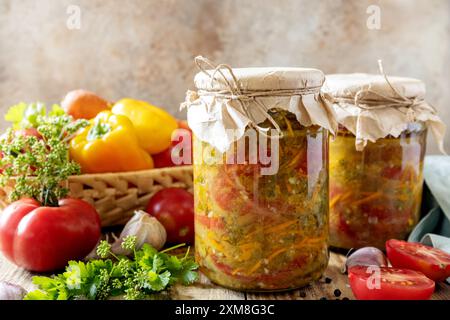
374 106
255 79
348 85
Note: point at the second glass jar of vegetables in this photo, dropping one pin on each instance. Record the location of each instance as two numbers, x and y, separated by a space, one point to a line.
376 158
262 229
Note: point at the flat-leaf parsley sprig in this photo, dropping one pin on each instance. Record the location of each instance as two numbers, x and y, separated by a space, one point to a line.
149 272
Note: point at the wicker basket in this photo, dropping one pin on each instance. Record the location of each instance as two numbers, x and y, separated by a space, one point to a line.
117 195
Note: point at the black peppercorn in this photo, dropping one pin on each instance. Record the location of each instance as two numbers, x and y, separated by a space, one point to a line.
337 293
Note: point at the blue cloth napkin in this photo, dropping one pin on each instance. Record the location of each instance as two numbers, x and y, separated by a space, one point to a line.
434 227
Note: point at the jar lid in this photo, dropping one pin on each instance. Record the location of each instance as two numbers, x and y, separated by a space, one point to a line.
348 85
231 100
376 106
255 79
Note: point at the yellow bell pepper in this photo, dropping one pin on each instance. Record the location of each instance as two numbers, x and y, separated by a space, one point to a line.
153 125
109 144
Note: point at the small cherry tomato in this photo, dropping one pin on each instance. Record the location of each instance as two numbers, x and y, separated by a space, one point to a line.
384 283
432 262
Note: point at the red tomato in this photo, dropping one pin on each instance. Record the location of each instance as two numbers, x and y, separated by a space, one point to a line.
394 284
164 158
45 238
174 208
432 262
23 133
28 132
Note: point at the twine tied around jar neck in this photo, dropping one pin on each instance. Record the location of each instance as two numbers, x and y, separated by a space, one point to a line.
234 92
361 101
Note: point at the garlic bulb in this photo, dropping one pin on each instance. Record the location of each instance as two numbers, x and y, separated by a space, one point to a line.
9 291
146 228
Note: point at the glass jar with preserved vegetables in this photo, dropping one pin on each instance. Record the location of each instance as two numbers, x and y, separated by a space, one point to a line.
256 229
376 158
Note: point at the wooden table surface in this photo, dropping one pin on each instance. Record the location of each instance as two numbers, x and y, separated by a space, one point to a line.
205 290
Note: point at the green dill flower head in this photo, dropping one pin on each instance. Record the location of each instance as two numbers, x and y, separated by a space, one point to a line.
117 284
104 275
124 265
129 243
133 294
103 249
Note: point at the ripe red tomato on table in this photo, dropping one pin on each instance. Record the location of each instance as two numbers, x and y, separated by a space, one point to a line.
432 262
174 208
392 284
44 239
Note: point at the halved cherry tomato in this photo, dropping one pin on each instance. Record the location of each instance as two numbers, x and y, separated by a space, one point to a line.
432 262
393 284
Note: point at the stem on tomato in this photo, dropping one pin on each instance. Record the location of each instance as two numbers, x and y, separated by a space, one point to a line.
48 198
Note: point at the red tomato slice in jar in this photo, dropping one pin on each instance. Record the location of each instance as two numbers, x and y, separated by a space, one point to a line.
432 262
345 228
276 278
233 189
389 284
392 172
215 223
229 197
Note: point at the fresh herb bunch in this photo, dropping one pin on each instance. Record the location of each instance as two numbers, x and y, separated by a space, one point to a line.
28 115
38 163
149 272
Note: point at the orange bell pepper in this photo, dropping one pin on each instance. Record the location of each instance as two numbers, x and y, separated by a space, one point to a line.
109 144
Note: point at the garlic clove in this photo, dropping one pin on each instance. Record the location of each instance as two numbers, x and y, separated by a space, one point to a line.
146 228
10 291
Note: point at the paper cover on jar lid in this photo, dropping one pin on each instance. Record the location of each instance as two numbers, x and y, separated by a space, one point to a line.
237 98
348 85
254 79
375 106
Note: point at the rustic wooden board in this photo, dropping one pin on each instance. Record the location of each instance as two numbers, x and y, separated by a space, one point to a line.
206 290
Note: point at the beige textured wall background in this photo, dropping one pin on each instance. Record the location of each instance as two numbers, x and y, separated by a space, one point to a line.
144 48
